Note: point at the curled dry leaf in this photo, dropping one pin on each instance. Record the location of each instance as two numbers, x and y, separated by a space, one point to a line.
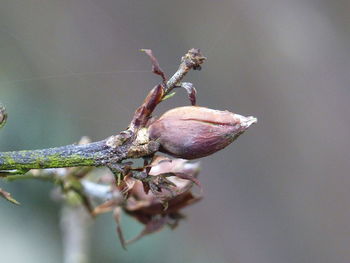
148 208
144 112
8 197
191 91
155 64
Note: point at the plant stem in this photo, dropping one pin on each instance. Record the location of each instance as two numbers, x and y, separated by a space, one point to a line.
192 60
91 154
76 231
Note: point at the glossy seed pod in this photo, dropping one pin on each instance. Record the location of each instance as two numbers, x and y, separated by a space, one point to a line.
193 132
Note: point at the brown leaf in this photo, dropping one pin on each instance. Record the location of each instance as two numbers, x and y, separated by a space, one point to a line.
117 218
104 207
191 91
155 65
143 113
190 178
156 224
8 197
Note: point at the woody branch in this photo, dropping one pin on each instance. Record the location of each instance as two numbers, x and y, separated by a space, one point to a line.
107 152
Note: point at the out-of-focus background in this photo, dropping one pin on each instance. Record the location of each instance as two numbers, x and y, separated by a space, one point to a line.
280 193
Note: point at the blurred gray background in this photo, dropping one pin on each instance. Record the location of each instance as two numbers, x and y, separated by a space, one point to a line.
279 194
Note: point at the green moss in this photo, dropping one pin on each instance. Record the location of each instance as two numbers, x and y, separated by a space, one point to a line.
65 156
9 160
37 160
56 160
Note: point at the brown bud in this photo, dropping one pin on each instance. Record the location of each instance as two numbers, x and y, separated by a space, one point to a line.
193 132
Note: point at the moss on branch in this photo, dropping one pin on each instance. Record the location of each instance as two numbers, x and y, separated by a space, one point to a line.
91 154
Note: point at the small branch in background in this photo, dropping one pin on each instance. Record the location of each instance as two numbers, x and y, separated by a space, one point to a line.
101 192
4 194
8 197
3 115
76 219
75 226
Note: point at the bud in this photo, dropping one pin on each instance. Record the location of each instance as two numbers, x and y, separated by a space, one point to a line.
193 132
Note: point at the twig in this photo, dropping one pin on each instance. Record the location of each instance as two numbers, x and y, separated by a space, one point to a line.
75 227
192 60
75 218
102 192
131 143
108 152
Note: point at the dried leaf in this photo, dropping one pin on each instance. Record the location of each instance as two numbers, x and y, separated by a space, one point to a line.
8 197
155 65
146 187
152 226
117 218
191 91
190 178
143 113
104 207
